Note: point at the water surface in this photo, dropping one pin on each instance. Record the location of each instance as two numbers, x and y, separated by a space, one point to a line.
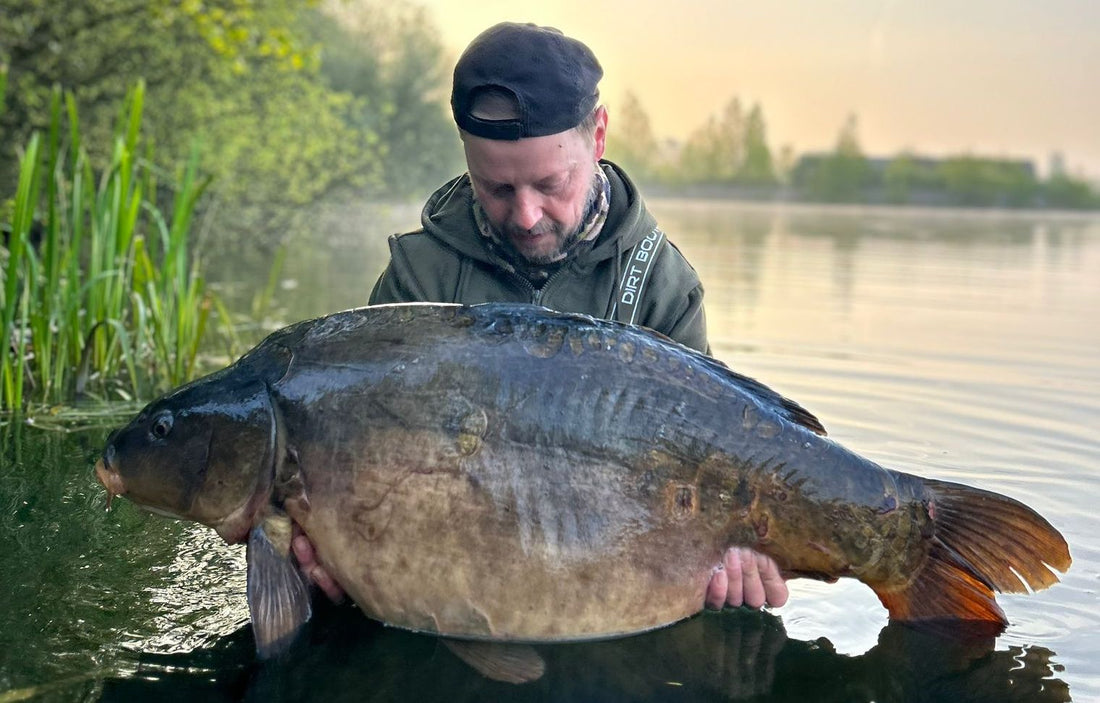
952 344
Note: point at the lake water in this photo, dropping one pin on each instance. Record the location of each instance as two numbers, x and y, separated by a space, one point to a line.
951 344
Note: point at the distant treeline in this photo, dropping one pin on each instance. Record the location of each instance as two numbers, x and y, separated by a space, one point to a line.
729 156
963 180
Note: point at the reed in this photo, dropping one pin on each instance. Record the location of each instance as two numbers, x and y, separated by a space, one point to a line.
102 296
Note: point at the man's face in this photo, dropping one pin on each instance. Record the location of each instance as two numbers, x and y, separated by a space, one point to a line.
536 191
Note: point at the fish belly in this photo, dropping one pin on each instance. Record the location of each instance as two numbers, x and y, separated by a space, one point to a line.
498 546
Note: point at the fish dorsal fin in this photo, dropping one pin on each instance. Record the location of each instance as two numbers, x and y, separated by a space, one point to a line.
278 596
783 405
510 663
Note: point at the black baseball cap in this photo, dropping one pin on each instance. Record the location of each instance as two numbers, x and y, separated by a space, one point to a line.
552 77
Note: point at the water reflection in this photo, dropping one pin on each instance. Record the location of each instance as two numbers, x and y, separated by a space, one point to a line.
850 279
730 656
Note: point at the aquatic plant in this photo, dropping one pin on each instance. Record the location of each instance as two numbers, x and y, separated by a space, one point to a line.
100 294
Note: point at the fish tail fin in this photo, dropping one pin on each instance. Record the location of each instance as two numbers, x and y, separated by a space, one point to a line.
983 542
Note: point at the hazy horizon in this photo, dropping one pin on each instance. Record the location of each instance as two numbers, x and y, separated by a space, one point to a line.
1006 79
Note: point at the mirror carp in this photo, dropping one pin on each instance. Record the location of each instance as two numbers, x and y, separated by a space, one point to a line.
502 473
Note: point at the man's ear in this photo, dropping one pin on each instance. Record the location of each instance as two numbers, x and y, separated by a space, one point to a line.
599 136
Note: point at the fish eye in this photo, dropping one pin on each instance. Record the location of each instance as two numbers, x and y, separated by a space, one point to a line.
162 426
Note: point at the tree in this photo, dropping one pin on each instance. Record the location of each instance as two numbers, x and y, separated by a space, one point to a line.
974 180
630 139
785 163
98 48
248 80
391 62
900 176
843 174
1064 191
714 153
757 168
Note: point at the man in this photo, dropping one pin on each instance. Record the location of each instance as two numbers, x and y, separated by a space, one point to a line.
539 218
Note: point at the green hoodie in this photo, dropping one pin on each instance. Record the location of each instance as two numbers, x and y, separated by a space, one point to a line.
446 261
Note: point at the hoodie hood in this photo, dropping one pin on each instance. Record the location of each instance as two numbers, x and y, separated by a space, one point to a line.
447 261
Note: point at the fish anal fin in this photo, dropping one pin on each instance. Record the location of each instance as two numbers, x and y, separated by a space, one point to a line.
943 589
500 661
278 595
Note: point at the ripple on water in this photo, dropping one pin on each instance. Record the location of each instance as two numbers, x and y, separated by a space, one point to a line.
200 597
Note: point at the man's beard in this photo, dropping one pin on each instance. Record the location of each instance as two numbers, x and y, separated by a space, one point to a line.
563 240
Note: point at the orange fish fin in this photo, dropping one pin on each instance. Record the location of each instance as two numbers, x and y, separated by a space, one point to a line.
942 589
1006 543
983 542
511 663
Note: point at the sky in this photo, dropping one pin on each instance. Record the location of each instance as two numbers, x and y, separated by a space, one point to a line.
1005 78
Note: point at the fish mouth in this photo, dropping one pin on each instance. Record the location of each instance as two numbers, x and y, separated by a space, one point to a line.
110 478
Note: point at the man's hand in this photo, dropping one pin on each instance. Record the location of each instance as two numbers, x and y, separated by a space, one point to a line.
307 562
746 578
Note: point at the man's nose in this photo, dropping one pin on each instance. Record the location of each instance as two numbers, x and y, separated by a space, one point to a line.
527 211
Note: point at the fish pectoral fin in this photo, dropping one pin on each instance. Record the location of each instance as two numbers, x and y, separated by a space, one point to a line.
278 595
510 663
